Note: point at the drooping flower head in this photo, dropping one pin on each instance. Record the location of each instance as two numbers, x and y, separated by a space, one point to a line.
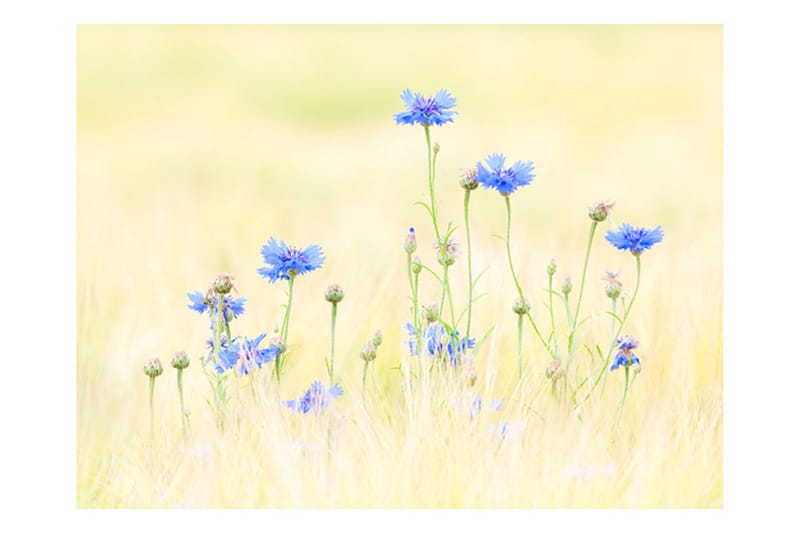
505 180
245 355
316 398
625 355
286 261
436 342
231 308
434 111
636 240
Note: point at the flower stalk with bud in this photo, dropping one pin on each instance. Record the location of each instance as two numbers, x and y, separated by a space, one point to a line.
333 294
180 361
152 369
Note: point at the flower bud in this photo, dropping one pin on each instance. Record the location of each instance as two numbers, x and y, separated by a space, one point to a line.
521 306
430 313
551 268
410 244
377 338
566 286
277 341
599 210
436 148
222 284
468 181
416 265
368 352
447 256
553 371
613 286
472 378
179 360
334 293
153 368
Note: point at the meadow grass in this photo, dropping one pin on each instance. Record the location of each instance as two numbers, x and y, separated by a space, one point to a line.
196 144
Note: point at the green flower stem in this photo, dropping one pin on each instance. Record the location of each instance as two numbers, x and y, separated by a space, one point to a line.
613 319
184 419
333 338
566 308
364 379
228 330
619 329
552 316
519 347
152 389
218 328
580 291
469 260
514 274
624 395
285 329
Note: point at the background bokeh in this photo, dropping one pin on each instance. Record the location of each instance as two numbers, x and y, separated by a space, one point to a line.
198 143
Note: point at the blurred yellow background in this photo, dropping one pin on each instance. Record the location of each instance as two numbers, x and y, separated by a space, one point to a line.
198 143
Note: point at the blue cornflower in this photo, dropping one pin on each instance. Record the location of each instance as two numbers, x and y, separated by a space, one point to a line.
436 341
246 355
223 344
426 111
316 398
505 180
625 355
286 261
477 406
636 240
202 303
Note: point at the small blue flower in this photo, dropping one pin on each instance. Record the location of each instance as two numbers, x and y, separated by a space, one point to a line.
245 354
285 261
316 398
198 302
477 406
625 355
436 341
426 111
223 344
636 240
505 180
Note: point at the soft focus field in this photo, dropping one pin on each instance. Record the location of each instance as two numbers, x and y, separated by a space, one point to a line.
196 144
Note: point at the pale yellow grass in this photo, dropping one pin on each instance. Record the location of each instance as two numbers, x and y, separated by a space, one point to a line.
195 144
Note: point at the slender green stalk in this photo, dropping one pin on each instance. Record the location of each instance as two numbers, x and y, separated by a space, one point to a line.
619 329
333 338
431 177
566 308
624 395
519 347
228 330
184 420
613 319
152 389
364 379
580 291
469 260
514 274
285 329
552 316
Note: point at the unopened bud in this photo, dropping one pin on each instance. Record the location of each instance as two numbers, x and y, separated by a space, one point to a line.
599 210
334 293
416 265
222 284
153 368
551 268
180 360
553 371
436 148
468 181
613 286
447 256
278 342
521 306
410 244
368 352
566 286
377 338
430 313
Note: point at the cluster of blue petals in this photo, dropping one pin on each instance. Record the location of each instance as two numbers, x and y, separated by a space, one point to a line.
316 398
436 341
244 354
625 355
197 303
434 111
636 240
283 260
504 180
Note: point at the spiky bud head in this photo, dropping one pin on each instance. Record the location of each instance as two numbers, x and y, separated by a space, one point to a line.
410 244
521 306
468 181
334 293
430 313
436 148
377 338
551 268
613 286
566 286
416 265
599 210
553 371
180 360
222 284
153 368
447 255
368 352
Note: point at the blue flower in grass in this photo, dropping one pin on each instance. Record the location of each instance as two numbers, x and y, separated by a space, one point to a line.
286 261
505 180
244 354
426 111
436 342
230 306
636 240
316 398
625 355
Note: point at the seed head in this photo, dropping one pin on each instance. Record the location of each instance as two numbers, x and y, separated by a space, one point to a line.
566 286
153 368
180 360
222 284
468 181
599 210
334 293
521 306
